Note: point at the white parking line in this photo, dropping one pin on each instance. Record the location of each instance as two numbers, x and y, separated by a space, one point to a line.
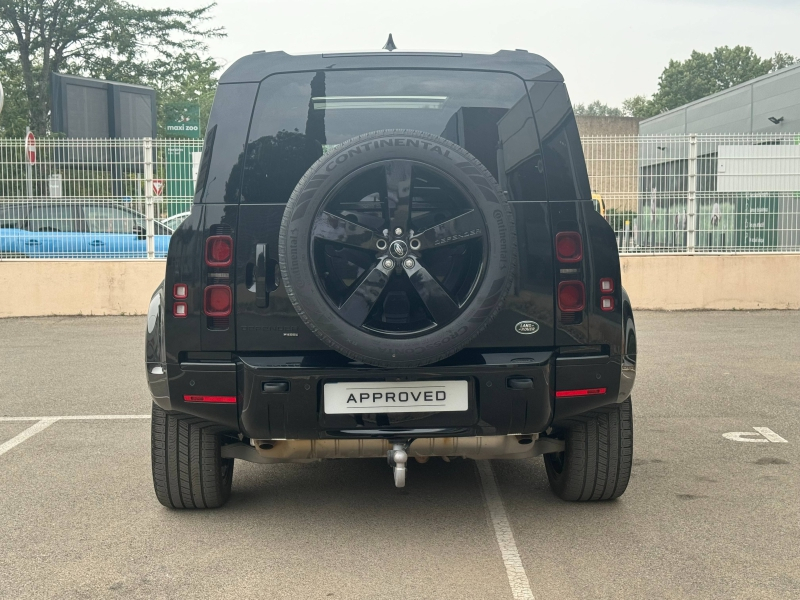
517 578
76 418
45 422
30 431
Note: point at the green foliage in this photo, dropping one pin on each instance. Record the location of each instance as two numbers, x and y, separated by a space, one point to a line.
112 39
596 109
14 116
639 107
703 74
781 60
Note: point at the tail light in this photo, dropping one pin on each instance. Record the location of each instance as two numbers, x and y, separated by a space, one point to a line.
607 303
569 246
180 291
219 251
578 393
606 285
179 310
217 301
210 399
571 296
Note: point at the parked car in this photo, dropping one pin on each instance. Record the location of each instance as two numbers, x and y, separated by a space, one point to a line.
405 261
175 221
76 229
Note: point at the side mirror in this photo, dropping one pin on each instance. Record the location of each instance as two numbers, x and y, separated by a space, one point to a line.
140 232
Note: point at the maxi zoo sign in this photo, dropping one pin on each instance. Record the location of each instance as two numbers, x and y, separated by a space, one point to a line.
183 120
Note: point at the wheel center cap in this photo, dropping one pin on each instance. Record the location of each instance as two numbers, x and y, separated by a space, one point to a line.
398 249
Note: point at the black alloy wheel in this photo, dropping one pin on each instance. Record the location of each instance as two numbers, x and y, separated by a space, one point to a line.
392 270
397 255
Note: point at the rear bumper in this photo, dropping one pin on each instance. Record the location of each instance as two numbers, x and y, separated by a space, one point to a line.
281 397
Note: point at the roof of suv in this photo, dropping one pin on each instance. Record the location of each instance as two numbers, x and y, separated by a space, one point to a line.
257 66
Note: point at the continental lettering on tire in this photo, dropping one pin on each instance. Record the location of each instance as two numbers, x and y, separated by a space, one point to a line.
457 236
343 156
501 226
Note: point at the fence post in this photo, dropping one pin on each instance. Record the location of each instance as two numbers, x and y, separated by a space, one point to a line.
691 199
147 148
28 166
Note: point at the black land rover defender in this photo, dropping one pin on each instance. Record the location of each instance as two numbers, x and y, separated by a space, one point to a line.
391 255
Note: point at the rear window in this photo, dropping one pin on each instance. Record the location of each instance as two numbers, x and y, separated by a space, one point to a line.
300 116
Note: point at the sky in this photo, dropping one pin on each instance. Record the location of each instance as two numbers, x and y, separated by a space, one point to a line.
607 50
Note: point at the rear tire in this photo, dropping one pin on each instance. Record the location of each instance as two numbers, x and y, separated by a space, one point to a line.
188 468
596 463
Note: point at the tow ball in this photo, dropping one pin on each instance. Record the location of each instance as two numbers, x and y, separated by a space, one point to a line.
397 458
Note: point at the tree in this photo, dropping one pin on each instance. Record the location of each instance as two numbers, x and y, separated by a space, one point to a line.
703 74
781 60
596 109
90 37
639 106
14 117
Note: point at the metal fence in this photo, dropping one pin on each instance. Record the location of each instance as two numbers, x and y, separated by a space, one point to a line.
94 198
661 194
699 193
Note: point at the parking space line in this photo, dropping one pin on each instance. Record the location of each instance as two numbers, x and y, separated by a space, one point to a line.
29 432
517 578
75 418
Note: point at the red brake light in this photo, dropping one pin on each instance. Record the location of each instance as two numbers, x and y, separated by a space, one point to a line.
584 392
569 247
571 296
210 399
217 301
219 251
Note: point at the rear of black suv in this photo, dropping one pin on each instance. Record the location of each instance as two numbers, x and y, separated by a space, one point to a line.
391 255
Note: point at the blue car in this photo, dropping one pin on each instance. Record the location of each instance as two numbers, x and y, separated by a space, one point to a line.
81 229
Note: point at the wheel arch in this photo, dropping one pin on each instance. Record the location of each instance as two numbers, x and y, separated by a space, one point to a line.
155 349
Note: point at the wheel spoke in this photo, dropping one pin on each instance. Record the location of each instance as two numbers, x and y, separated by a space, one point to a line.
398 191
458 229
336 229
357 307
436 299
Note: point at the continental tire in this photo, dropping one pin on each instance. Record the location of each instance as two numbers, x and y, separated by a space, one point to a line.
596 464
397 248
188 469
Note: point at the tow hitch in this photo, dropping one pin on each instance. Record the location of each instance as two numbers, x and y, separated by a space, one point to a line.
397 458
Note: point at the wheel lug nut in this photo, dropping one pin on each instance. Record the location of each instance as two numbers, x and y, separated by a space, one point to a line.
388 263
408 263
415 244
398 231
381 244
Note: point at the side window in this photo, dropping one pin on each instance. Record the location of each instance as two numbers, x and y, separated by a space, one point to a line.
12 217
110 219
567 178
52 218
225 142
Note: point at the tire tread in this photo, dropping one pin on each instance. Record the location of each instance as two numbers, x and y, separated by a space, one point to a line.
186 461
598 455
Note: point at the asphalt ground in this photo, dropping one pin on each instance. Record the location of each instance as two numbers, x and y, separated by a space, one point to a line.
704 516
